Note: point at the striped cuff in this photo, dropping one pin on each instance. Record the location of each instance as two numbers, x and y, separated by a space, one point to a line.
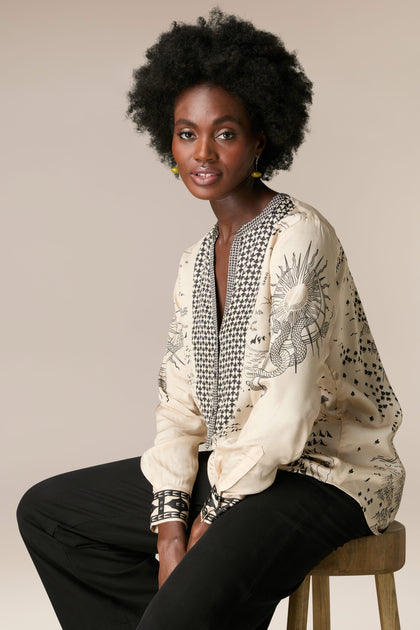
169 505
215 505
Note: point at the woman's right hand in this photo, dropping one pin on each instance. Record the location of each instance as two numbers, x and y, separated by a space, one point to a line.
172 547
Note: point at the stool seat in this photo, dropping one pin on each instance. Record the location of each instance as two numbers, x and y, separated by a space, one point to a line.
374 555
369 555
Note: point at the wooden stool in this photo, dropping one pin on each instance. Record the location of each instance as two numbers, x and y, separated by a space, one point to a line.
371 555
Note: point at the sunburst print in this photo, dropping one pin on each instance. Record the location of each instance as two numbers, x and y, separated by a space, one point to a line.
299 314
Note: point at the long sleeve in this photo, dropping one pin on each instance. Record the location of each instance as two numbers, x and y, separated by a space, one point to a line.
284 379
171 464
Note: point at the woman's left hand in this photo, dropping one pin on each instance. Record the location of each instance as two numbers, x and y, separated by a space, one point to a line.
198 529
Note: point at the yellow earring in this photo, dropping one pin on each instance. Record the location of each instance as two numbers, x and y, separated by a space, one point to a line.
175 170
256 174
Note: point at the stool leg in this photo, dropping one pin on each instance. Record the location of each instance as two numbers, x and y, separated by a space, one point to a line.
297 615
387 602
321 602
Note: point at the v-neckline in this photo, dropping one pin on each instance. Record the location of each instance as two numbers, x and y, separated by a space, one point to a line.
233 256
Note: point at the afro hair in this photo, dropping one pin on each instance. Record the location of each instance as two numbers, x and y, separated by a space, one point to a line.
229 52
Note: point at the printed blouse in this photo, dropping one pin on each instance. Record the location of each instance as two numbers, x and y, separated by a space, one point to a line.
292 380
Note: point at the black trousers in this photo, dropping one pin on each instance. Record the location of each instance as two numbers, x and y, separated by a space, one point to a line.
88 534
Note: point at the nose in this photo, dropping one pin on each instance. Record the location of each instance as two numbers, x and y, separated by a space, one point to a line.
204 150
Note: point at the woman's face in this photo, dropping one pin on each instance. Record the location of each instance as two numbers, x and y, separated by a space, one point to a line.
213 142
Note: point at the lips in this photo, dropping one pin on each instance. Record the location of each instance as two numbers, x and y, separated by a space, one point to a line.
205 176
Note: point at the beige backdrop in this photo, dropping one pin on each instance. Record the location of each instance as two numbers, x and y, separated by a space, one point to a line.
92 226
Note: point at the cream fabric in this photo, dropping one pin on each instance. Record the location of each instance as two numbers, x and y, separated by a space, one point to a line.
292 379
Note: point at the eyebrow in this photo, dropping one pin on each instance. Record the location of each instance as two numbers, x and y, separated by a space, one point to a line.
218 121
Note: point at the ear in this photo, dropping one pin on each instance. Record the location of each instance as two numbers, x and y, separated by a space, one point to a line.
261 142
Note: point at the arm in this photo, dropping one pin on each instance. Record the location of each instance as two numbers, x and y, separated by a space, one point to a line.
171 546
303 288
171 464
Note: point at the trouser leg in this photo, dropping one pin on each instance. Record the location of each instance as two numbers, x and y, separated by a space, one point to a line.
254 555
88 534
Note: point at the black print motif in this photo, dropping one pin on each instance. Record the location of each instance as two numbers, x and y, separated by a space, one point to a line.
219 354
170 504
318 467
204 328
388 497
360 360
173 346
298 315
340 259
215 505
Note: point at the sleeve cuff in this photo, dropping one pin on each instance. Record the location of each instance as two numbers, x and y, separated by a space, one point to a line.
169 505
216 505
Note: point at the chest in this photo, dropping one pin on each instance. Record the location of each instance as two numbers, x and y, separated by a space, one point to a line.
221 272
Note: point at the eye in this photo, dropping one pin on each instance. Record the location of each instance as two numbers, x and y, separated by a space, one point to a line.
186 135
226 135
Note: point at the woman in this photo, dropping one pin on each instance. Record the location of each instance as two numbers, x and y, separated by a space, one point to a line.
269 363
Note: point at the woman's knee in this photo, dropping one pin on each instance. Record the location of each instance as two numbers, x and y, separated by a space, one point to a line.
35 500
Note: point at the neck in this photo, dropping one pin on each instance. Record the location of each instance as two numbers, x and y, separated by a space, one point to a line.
240 207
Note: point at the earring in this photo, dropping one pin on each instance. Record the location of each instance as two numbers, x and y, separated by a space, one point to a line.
256 174
175 170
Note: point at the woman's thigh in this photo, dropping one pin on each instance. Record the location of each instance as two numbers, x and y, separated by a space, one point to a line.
111 501
108 502
254 555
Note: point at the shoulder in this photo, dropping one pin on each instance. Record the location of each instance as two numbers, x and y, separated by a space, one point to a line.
305 215
187 263
192 250
304 240
303 224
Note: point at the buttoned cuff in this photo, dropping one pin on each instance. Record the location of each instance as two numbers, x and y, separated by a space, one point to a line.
216 505
169 505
